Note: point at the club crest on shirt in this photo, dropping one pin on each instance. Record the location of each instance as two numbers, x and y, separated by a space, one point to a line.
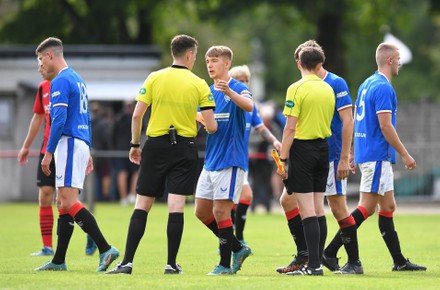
290 104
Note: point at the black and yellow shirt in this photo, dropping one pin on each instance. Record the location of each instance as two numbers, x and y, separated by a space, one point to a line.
174 94
312 101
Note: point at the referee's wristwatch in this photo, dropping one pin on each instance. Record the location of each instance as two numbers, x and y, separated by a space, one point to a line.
133 145
284 160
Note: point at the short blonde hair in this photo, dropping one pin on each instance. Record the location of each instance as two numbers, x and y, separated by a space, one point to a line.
220 51
240 70
383 52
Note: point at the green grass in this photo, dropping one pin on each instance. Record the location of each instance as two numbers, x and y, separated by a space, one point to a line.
267 235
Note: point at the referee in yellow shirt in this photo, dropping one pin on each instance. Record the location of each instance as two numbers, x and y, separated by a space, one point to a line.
309 108
169 156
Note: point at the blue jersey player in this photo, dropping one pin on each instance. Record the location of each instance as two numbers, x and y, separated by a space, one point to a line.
69 144
375 144
221 180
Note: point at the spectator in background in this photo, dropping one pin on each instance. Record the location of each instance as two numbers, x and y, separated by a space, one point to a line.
126 171
101 135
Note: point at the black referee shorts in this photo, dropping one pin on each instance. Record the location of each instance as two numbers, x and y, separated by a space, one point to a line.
43 179
164 165
308 166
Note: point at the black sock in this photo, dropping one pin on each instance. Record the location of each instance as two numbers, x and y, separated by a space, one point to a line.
349 239
311 232
174 235
88 224
297 231
333 247
64 231
136 230
322 221
240 220
389 235
213 227
225 237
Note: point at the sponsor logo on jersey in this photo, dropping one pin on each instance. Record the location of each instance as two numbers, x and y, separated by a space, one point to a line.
290 104
222 117
56 94
142 91
360 135
341 94
83 127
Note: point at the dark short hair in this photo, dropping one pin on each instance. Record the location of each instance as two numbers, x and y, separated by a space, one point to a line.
182 43
51 42
311 56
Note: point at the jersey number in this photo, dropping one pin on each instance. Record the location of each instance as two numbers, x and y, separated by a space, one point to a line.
361 107
83 98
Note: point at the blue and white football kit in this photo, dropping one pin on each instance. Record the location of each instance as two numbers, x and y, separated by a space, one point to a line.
371 150
226 156
69 137
343 101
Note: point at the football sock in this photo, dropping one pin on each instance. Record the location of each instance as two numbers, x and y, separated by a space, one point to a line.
64 232
174 235
212 225
360 214
225 237
46 225
240 218
312 232
84 218
389 235
349 238
136 230
297 231
322 221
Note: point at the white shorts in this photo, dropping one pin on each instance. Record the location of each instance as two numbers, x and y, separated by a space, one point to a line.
246 180
220 185
71 159
377 177
335 186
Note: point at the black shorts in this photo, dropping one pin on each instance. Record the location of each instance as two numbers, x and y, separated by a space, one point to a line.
308 166
43 179
164 165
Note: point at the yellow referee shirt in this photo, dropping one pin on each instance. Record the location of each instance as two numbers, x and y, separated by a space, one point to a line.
174 94
312 101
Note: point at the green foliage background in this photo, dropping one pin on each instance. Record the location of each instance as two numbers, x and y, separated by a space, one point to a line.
349 31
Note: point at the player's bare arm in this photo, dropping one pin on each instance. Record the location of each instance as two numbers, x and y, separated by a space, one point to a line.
347 134
393 139
136 127
269 137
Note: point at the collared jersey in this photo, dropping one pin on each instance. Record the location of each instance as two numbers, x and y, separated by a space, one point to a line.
174 94
312 101
343 100
228 147
253 120
375 96
69 108
42 106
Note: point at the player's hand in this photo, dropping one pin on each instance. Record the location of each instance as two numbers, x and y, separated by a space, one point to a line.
135 155
22 157
343 169
89 167
277 145
409 162
45 163
351 163
222 86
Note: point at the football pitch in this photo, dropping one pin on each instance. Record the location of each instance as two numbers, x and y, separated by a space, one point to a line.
266 234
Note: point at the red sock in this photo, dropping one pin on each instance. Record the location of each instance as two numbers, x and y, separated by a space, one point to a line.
46 225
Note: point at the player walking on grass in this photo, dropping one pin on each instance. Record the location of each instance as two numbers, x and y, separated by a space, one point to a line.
309 107
253 120
69 144
46 184
169 158
375 144
336 188
221 180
